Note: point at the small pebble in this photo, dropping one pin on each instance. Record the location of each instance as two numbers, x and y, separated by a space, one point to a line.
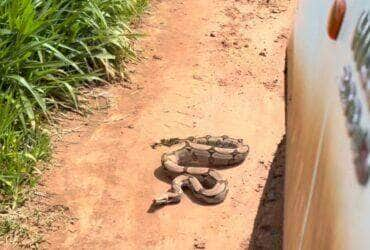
156 57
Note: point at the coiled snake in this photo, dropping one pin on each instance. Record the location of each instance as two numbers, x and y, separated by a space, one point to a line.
183 164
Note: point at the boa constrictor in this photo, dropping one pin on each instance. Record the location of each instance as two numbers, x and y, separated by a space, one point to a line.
183 164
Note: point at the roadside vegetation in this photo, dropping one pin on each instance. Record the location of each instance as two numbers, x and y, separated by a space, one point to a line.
48 49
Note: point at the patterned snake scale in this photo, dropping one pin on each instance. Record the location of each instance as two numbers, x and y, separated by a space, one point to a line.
206 183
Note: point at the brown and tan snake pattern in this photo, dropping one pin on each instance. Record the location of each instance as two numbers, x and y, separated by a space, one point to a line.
191 163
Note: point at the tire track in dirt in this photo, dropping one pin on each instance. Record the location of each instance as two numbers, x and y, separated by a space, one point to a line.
211 67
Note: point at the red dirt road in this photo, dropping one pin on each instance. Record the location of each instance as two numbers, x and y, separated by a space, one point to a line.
210 67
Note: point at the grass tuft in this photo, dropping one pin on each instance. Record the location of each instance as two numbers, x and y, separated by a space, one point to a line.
48 49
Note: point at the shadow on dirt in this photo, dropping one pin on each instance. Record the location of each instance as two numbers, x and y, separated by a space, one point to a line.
268 225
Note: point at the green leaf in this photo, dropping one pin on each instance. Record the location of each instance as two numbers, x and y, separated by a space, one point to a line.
28 108
59 55
5 181
31 157
29 87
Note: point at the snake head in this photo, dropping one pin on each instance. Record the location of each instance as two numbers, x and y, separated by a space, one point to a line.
166 198
160 200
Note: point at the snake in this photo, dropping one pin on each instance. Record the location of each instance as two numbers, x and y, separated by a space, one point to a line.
192 166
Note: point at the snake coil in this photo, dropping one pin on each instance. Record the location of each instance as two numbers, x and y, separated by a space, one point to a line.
184 165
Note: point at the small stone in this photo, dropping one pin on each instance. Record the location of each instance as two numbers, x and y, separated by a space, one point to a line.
157 57
212 34
197 77
199 244
222 82
224 44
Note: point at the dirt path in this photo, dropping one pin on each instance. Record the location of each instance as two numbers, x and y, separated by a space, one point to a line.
212 67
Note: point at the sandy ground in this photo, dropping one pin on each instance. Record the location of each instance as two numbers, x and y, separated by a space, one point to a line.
208 67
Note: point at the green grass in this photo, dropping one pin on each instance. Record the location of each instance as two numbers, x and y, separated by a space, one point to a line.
20 150
48 49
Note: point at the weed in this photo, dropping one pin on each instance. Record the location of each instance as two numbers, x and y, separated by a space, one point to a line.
48 49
